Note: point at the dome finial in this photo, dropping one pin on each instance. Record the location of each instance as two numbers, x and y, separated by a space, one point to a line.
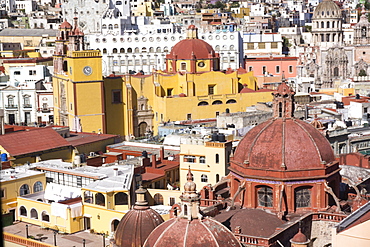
189 176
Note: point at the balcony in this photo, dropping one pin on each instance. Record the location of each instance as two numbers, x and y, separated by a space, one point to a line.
45 109
27 106
11 106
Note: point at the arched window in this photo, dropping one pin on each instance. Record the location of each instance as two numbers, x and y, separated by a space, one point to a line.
217 178
280 109
265 196
231 101
129 50
165 49
45 216
322 24
158 49
104 26
302 197
115 25
104 51
217 158
34 214
121 198
88 196
336 71
37 187
202 103
328 24
204 178
185 209
122 50
114 225
110 27
24 190
151 49
217 102
143 49
137 50
232 47
158 199
99 199
114 50
23 211
183 66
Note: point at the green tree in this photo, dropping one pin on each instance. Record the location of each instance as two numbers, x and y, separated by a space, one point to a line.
362 73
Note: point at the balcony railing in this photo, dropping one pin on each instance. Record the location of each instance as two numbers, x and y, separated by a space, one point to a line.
11 106
27 106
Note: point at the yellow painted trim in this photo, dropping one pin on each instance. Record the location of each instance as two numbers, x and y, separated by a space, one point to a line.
186 169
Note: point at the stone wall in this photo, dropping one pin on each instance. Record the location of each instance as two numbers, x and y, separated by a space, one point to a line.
321 233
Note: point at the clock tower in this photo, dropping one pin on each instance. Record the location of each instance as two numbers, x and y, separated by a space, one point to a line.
77 82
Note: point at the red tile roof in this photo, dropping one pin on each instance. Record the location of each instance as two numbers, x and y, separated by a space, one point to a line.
31 141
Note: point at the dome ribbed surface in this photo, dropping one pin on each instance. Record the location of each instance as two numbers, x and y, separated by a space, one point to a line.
136 226
178 232
327 9
292 142
185 49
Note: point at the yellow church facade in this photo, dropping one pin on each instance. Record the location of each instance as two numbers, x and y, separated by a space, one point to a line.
191 88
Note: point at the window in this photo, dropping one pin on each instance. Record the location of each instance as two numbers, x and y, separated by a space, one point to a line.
32 72
34 214
274 45
202 159
158 199
250 46
104 51
88 197
189 158
204 178
250 68
188 116
277 69
23 211
217 102
302 197
217 158
116 96
114 50
121 198
202 103
99 199
263 69
172 201
290 69
26 100
261 45
17 73
211 89
265 196
217 178
11 100
169 91
110 27
183 66
37 187
231 101
24 190
45 216
2 193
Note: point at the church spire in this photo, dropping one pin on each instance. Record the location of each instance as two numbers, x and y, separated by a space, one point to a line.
283 102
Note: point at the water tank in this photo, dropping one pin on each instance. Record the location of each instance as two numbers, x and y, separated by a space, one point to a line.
221 137
4 157
144 154
215 137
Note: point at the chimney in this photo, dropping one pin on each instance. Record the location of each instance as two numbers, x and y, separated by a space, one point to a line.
154 161
161 153
115 172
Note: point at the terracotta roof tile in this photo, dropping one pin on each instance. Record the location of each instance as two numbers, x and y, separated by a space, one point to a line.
77 139
31 141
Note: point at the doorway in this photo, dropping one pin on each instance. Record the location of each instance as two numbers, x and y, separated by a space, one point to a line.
87 223
11 118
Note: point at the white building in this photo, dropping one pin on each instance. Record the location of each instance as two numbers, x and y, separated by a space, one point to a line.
26 6
27 101
259 44
7 5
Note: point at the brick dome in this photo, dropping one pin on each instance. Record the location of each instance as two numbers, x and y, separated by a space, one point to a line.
284 142
197 232
66 24
192 47
137 224
299 238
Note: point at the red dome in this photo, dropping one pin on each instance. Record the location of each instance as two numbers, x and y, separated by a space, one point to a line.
66 24
186 48
284 142
136 226
182 232
299 238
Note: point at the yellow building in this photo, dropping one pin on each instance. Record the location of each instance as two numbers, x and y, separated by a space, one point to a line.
192 87
77 83
207 159
18 182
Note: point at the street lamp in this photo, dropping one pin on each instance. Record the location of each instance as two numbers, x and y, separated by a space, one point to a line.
55 238
26 231
83 242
